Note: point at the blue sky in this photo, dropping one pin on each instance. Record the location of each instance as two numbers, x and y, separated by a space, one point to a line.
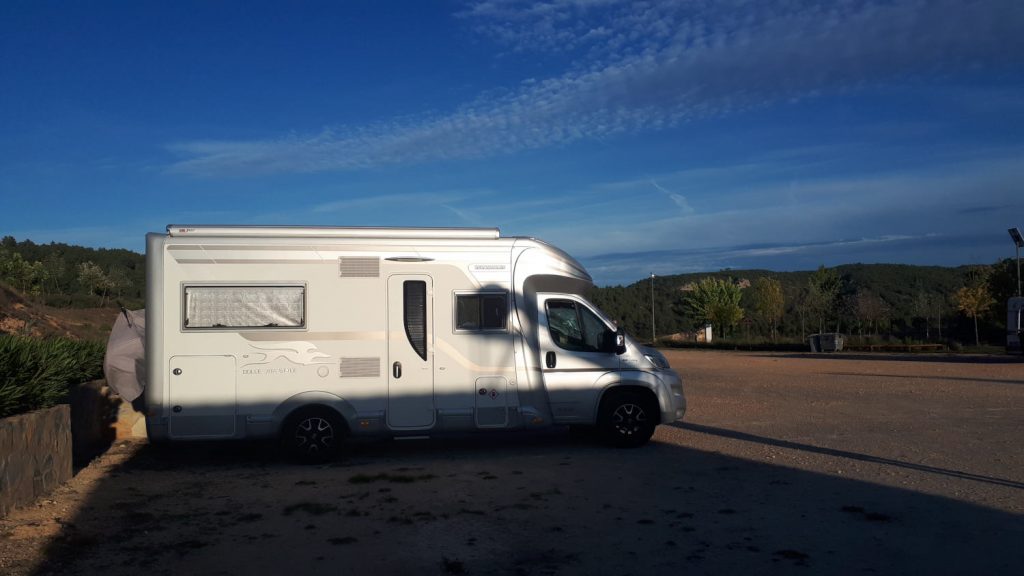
641 137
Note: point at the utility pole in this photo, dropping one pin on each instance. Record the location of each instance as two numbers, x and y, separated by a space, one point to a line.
652 309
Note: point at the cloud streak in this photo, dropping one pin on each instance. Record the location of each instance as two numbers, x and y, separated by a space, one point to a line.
629 267
647 69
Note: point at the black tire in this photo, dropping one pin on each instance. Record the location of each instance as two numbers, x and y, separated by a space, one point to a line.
627 418
313 435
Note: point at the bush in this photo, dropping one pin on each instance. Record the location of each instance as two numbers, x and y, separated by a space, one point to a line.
38 374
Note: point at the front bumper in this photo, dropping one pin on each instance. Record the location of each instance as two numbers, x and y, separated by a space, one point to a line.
675 408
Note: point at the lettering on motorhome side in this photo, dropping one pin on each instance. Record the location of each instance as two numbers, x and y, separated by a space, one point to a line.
424 330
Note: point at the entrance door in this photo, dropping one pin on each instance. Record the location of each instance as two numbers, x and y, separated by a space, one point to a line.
410 351
202 395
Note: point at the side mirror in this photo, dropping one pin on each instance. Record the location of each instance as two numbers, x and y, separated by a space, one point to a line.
620 341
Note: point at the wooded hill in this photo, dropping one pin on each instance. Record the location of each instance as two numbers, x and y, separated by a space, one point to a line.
66 275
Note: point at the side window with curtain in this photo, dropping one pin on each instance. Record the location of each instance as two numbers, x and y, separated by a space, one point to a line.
221 307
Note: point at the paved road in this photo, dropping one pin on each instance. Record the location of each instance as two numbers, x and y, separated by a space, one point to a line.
785 463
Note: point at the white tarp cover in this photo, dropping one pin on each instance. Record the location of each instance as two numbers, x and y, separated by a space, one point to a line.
244 306
125 362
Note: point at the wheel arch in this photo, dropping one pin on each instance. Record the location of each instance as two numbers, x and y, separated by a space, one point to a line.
313 400
621 382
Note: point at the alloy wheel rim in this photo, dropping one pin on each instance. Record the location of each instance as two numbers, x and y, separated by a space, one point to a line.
314 434
628 419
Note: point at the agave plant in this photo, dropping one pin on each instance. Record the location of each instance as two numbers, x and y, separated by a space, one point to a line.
38 374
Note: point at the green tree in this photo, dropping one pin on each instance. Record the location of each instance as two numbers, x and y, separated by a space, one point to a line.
922 308
717 301
55 267
119 280
1002 280
37 278
768 302
974 300
870 310
91 276
14 269
823 289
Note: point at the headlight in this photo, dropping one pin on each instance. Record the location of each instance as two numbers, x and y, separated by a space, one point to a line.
657 359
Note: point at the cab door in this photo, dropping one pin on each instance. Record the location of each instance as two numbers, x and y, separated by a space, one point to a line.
577 348
410 351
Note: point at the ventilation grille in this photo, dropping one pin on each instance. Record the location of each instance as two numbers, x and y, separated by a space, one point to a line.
360 267
360 368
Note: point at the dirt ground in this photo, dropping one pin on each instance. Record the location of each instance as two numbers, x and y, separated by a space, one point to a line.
785 463
22 316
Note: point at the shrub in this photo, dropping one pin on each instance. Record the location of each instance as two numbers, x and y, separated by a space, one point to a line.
38 373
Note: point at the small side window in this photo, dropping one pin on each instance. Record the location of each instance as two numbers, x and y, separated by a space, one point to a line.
481 311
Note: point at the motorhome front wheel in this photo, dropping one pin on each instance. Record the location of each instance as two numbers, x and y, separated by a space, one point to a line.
628 418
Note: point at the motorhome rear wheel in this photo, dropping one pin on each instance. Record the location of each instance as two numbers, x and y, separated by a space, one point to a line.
313 434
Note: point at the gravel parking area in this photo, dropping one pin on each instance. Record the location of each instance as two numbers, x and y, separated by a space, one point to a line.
785 463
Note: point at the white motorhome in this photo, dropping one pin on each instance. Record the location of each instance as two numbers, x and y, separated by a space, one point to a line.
312 334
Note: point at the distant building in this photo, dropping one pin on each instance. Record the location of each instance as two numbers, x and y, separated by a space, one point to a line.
699 335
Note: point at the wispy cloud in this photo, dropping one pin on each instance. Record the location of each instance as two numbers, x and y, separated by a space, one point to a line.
678 199
643 67
983 209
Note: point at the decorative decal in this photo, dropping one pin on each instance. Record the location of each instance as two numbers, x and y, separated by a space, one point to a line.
301 353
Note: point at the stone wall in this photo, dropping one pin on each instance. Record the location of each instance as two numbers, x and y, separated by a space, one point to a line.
93 416
99 417
35 455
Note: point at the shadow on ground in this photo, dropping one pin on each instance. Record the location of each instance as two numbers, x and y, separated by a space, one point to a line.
546 503
747 437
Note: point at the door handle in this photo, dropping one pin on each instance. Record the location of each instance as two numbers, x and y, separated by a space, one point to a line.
550 360
396 370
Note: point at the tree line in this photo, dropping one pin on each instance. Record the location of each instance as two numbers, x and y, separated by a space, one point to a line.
875 301
66 275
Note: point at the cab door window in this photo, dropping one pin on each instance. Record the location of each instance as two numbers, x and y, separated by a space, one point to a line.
574 327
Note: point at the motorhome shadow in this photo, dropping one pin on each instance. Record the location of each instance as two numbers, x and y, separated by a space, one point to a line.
312 335
538 503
